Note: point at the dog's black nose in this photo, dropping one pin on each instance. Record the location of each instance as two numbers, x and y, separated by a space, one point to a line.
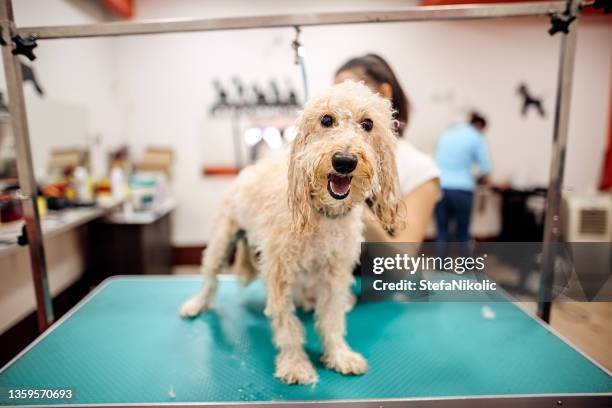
344 163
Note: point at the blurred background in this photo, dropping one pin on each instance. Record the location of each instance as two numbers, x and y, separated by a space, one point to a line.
134 139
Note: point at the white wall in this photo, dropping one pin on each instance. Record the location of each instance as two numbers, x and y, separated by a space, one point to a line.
79 79
466 64
157 89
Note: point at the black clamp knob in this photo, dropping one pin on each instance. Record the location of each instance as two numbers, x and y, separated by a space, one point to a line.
25 46
22 240
560 22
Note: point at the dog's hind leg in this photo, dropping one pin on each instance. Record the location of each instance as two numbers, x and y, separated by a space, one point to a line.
216 256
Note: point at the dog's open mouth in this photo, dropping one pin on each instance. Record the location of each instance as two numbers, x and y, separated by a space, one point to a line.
339 186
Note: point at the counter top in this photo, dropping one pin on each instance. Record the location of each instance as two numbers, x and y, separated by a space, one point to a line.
140 217
54 223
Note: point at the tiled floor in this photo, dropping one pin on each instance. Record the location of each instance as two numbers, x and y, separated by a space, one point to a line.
587 325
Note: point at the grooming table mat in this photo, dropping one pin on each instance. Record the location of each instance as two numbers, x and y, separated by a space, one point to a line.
125 343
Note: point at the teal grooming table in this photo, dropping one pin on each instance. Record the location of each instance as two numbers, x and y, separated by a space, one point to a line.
125 344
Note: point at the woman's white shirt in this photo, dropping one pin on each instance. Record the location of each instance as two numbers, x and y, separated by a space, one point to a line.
413 166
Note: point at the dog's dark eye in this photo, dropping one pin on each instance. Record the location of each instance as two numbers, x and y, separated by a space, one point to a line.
367 124
327 121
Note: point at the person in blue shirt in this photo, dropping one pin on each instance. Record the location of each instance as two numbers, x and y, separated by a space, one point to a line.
459 150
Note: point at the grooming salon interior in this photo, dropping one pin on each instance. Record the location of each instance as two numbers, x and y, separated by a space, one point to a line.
390 203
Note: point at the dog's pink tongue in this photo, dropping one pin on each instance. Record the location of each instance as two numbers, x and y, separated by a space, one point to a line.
340 185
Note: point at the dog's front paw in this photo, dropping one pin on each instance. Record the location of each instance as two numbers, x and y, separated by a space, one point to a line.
192 307
295 368
346 361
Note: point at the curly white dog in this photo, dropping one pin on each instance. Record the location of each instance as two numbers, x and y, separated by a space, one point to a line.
300 224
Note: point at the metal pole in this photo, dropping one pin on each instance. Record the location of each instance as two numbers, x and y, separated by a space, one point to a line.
299 60
27 181
552 227
454 12
427 13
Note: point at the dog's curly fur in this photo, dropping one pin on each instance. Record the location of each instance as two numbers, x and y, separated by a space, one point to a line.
303 241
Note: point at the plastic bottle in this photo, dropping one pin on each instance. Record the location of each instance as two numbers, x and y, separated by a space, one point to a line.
117 181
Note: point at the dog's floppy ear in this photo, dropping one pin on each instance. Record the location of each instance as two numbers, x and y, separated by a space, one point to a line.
298 187
386 201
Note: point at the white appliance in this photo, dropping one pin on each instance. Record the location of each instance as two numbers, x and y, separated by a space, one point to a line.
587 217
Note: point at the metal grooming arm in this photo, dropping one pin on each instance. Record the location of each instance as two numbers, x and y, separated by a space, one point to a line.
552 222
25 170
454 12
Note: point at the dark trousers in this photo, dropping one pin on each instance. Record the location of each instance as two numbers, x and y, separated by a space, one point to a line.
455 207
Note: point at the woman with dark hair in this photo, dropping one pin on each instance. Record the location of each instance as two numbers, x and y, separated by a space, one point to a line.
418 174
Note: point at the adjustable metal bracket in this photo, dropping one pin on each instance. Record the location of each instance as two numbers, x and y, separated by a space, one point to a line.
298 50
22 46
297 46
